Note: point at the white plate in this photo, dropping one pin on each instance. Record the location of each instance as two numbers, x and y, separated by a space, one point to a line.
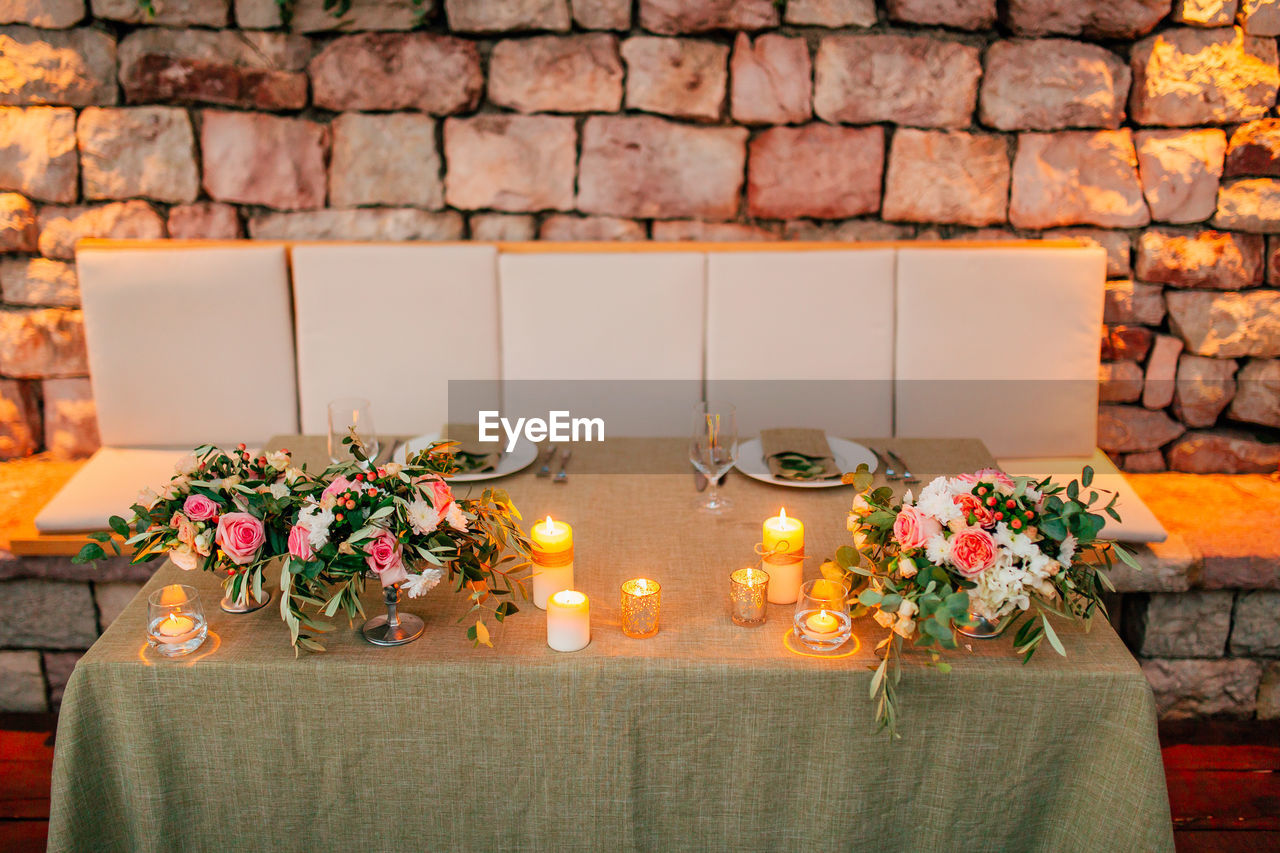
509 463
848 454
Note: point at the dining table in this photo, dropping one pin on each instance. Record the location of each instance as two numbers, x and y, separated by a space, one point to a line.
705 736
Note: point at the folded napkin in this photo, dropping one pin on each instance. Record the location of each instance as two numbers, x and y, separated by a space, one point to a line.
798 454
474 456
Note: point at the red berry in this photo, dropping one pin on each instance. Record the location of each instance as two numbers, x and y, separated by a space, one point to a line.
991 501
239 447
1016 523
982 490
359 478
372 493
337 516
999 516
285 451
1010 504
351 504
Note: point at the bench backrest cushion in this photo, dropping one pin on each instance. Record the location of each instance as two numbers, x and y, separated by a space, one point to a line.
1001 344
394 324
602 319
803 339
189 345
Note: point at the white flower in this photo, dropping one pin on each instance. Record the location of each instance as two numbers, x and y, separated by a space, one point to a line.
860 506
292 475
907 498
279 490
904 628
884 619
183 557
187 465
204 542
936 501
423 517
456 518
938 550
393 469
316 519
1032 494
907 609
278 460
231 482
419 585
1067 550
907 568
147 498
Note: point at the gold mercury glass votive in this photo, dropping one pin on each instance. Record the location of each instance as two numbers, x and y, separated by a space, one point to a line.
748 596
640 600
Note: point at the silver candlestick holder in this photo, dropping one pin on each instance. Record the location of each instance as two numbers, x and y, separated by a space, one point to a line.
394 628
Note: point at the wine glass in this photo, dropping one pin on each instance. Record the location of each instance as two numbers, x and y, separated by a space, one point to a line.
345 414
713 448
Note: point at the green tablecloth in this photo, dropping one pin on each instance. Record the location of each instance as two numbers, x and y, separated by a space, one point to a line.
707 736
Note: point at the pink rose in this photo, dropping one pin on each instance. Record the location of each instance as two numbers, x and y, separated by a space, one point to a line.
913 529
994 476
185 529
199 508
973 505
440 493
240 536
973 551
337 487
300 543
382 555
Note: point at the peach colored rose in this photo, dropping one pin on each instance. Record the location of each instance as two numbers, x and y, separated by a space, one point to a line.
994 476
973 551
913 529
185 529
382 555
240 536
441 495
300 543
973 505
199 508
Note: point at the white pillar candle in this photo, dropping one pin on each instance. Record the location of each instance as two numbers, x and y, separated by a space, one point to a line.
552 559
568 620
784 557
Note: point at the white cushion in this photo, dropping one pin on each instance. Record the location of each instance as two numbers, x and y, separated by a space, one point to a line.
1001 344
394 324
803 339
189 345
106 485
605 317
1137 522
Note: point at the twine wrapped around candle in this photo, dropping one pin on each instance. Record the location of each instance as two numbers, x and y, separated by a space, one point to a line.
551 559
786 571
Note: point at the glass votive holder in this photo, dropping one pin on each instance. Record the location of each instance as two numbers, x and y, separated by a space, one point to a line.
641 599
822 622
749 596
175 620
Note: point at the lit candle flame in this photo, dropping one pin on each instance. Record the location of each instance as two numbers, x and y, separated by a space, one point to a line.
782 515
549 526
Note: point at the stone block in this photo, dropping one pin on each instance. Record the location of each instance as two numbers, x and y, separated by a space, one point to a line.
1252 204
1254 149
360 224
816 170
686 78
710 232
205 220
1077 177
46 14
1126 343
75 68
385 159
1228 452
947 176
1133 302
1147 462
58 667
512 227
510 162
1124 19
1226 325
1257 399
1204 388
562 74
1180 171
22 687
254 158
430 73
1191 76
18 230
61 227
495 16
912 80
1119 382
1184 625
831 13
1255 629
37 343
1051 84
1269 692
602 14
40 614
129 152
772 80
1204 13
1203 688
849 231
566 228
112 599
672 17
961 14
1162 370
1129 429
1260 17
19 419
1168 566
1215 260
169 13
38 152
644 167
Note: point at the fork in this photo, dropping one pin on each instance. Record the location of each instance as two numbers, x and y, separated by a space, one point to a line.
907 476
545 470
562 476
889 473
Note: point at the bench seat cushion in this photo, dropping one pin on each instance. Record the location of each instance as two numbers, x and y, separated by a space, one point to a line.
1137 522
107 485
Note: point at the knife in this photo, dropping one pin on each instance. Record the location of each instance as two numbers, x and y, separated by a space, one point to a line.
562 475
545 470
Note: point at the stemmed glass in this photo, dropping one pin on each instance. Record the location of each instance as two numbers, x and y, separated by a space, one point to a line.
348 413
713 448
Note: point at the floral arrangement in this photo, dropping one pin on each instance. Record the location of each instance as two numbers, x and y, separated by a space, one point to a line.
222 511
403 524
980 546
235 513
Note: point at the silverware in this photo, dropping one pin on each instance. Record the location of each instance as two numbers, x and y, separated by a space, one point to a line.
545 470
907 476
884 466
562 475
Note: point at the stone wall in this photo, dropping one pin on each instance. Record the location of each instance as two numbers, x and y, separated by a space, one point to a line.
1145 125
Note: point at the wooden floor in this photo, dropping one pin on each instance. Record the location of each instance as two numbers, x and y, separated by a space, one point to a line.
1224 784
